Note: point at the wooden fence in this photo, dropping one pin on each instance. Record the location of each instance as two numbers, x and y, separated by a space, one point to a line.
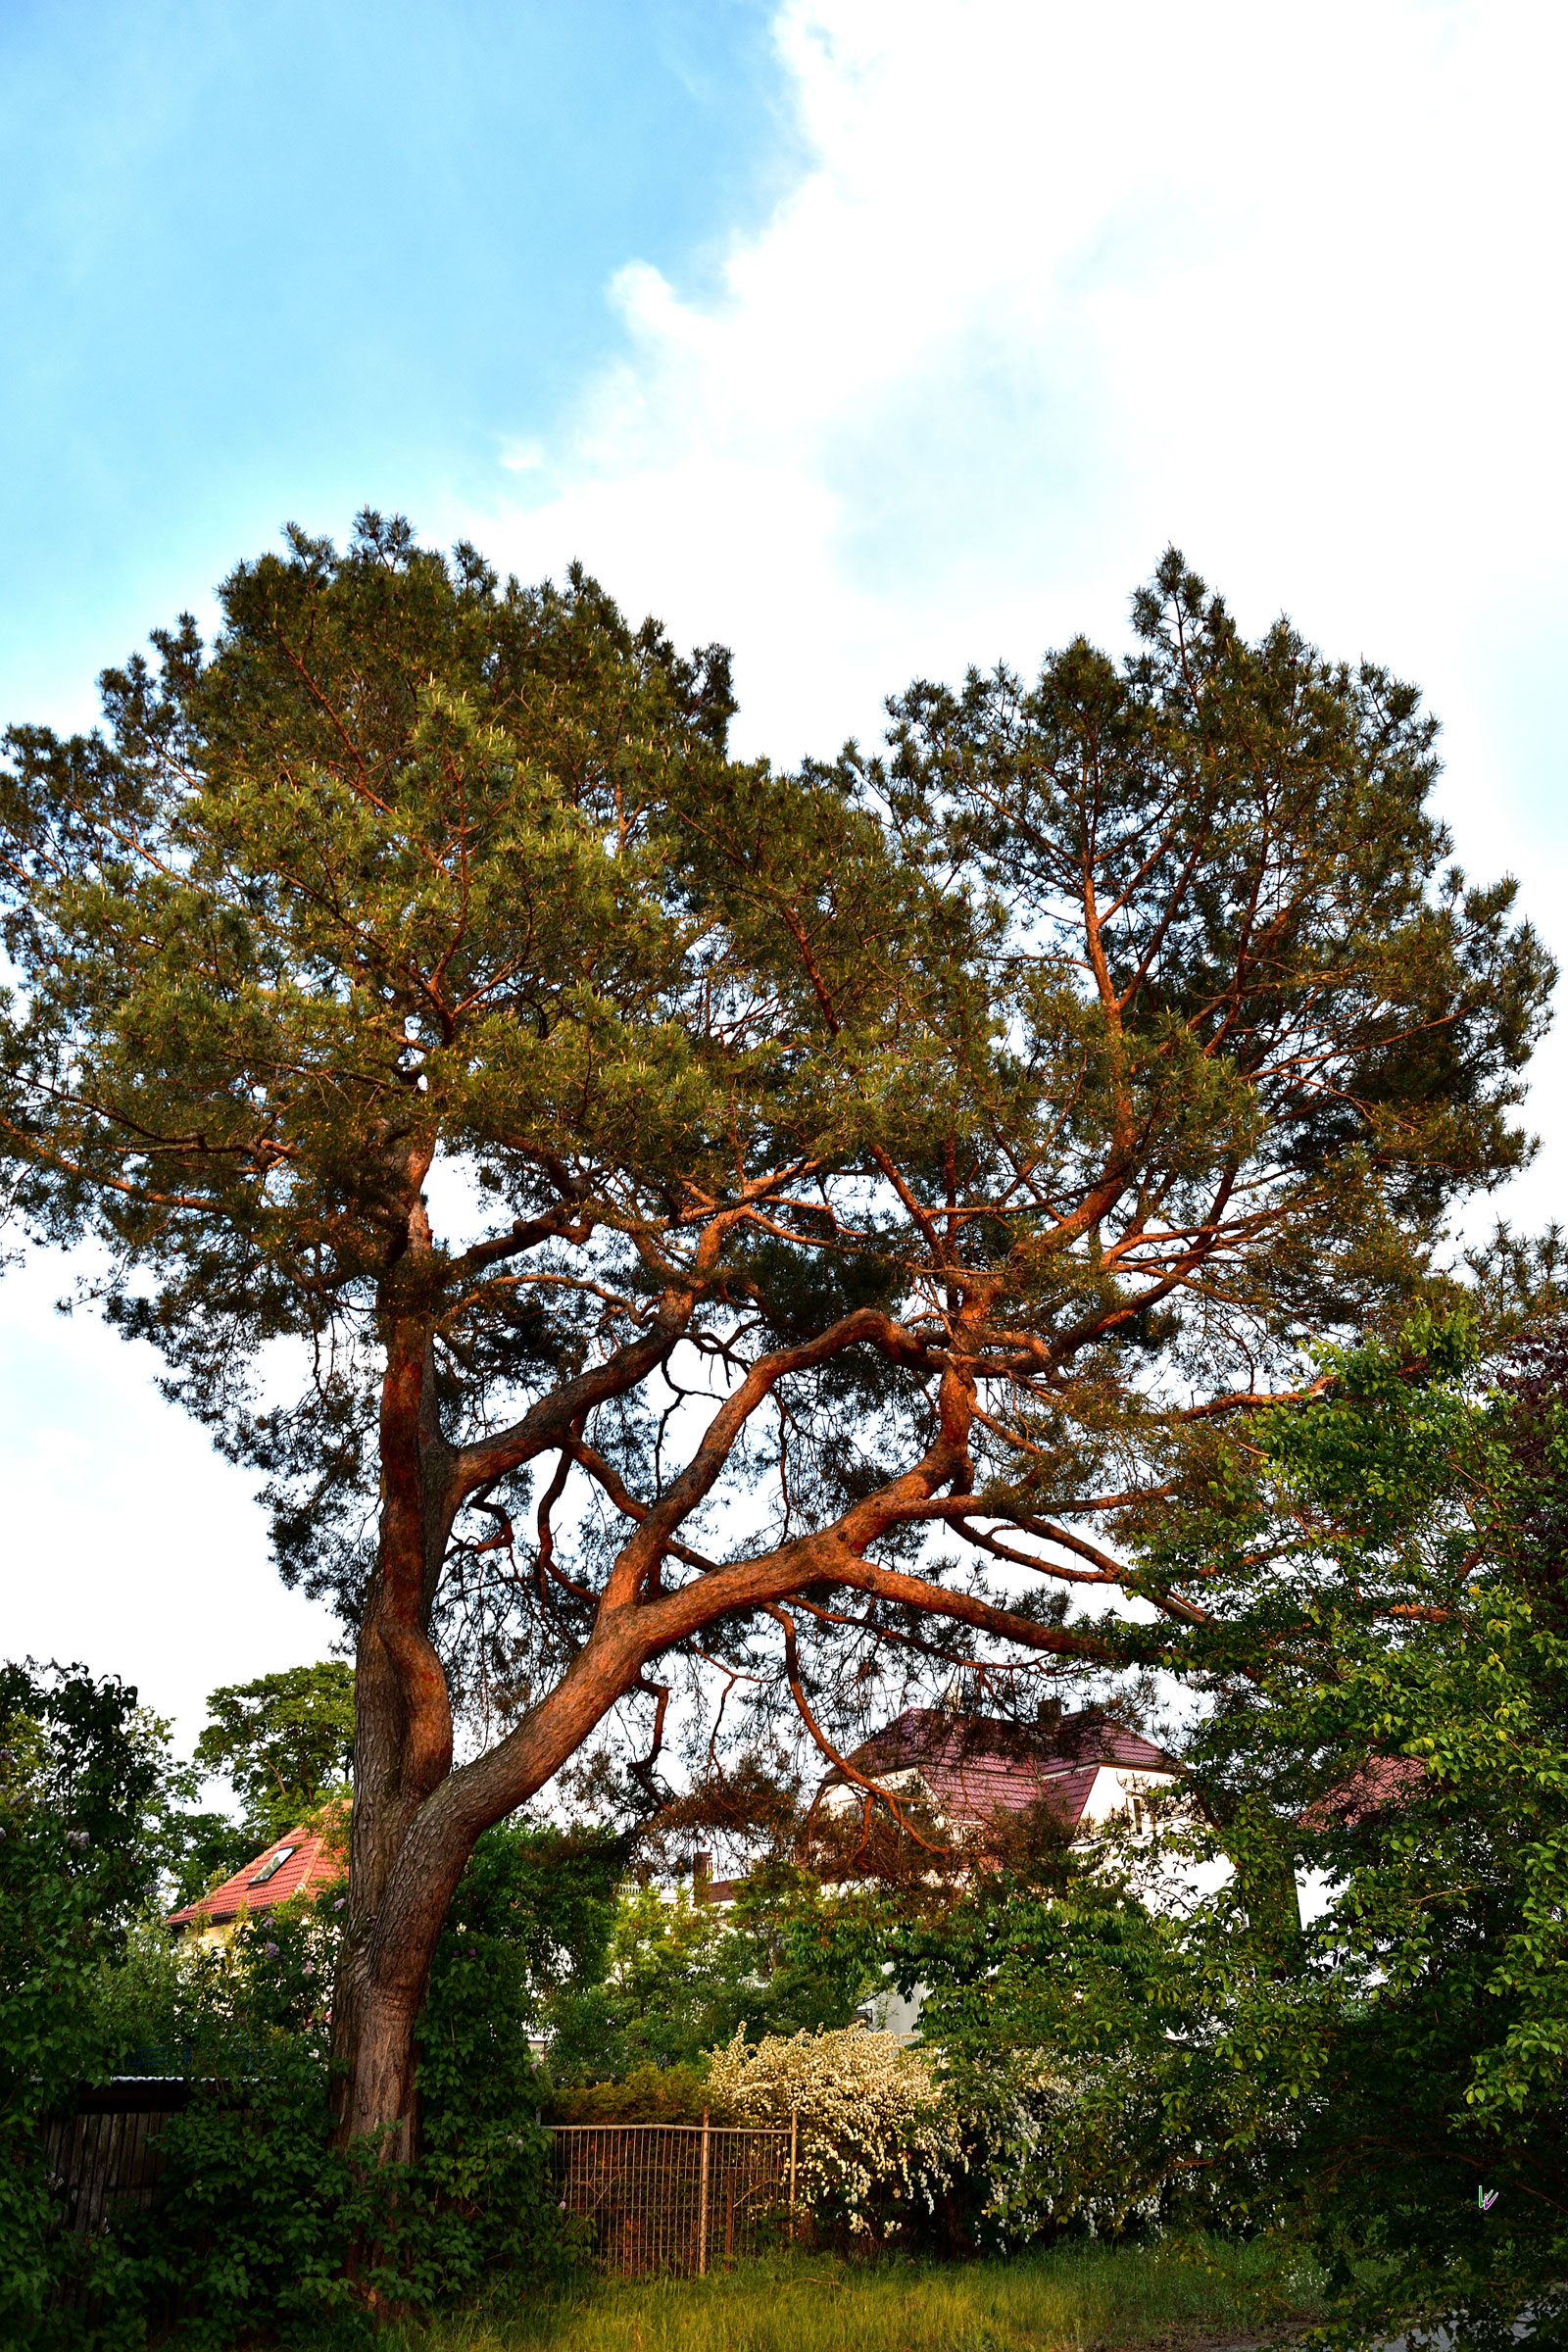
102 2160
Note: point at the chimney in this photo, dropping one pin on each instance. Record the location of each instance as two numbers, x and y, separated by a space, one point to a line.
702 1875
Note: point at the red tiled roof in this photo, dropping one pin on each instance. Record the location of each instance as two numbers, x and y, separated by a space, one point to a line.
315 1860
1382 1784
975 1766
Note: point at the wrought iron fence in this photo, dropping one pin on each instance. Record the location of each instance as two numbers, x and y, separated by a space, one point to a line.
674 2197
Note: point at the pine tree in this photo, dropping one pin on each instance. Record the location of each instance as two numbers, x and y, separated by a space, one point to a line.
813 1169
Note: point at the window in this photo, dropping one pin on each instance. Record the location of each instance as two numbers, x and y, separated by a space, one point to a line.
272 1865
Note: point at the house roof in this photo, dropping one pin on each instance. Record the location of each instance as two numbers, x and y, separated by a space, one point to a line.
313 1860
1382 1784
975 1766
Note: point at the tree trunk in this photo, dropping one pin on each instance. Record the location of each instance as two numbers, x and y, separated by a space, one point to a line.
388 1947
403 1726
380 2092
415 1820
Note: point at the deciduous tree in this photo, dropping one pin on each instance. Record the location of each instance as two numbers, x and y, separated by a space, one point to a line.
284 1740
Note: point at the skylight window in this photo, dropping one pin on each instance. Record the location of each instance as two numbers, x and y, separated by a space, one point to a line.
272 1864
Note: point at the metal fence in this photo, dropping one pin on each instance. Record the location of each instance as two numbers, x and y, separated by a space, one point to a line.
674 2197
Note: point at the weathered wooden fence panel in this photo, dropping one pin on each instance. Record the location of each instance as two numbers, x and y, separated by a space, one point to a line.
104 2160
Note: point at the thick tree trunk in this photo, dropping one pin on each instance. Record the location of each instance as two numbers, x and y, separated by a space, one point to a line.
416 1820
388 1947
403 1724
381 2085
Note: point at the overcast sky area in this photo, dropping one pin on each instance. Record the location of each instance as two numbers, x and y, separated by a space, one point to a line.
873 337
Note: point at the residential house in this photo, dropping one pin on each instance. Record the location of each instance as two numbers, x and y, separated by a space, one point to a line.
305 1861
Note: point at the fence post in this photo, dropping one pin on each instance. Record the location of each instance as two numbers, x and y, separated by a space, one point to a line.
795 2118
702 2198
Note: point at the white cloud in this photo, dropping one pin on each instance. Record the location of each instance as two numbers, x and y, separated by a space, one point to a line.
129 1543
1062 285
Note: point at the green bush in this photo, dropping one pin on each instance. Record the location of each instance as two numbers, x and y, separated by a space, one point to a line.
649 2094
262 2228
51 2041
81 1779
678 1978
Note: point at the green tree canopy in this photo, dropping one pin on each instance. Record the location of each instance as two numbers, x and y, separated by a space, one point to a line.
86 1768
284 1742
1384 1642
867 1187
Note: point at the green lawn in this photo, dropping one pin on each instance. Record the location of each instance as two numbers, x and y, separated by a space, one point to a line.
1071 2300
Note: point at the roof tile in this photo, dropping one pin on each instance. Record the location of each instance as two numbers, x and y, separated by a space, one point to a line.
316 1861
974 1766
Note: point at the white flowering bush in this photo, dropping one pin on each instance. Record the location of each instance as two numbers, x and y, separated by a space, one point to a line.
877 2136
1024 2121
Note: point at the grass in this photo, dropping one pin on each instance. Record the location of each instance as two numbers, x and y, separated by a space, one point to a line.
1073 2299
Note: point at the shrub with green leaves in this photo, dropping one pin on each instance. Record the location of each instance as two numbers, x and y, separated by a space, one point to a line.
679 1976
51 2040
259 2212
1384 1639
88 1825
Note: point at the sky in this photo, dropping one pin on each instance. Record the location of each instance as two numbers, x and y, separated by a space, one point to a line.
873 339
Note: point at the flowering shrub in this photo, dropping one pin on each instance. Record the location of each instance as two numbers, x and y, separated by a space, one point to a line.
877 2138
1052 2136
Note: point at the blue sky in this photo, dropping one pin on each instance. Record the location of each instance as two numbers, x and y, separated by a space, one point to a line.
276 259
872 336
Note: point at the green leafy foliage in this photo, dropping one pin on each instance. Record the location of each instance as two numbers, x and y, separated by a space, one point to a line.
648 2094
92 1827
680 1977
259 2212
532 1924
80 1753
1392 1565
51 2040
284 1742
1385 1645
